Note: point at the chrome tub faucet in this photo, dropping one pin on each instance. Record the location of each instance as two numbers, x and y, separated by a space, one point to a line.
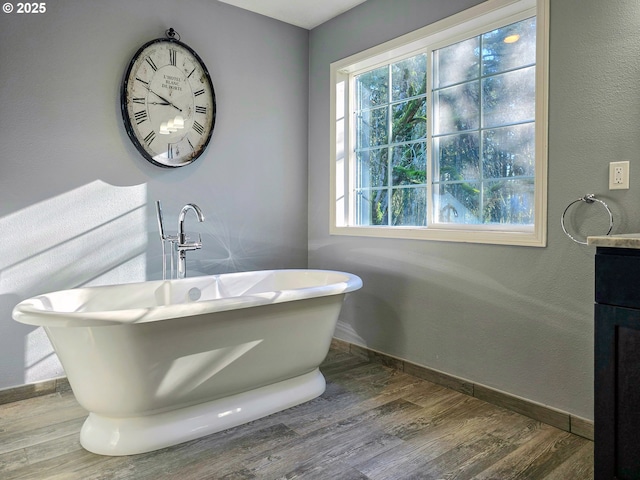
183 246
178 243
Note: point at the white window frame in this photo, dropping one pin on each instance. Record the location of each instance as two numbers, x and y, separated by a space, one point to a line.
466 24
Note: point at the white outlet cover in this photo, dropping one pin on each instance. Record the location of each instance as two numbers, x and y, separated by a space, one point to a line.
619 184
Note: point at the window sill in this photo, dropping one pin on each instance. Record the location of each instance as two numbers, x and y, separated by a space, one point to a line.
528 238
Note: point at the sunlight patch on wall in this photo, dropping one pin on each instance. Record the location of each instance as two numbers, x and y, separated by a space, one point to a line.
39 358
92 235
84 236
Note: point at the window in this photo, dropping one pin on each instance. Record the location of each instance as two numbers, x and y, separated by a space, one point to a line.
441 134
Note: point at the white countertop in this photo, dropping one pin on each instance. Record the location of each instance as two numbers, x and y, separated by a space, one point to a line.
623 240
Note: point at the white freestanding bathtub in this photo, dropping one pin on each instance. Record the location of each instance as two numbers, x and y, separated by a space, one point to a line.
163 362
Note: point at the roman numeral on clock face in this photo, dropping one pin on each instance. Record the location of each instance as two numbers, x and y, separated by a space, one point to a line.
151 64
173 57
149 138
199 92
140 116
198 128
139 100
201 109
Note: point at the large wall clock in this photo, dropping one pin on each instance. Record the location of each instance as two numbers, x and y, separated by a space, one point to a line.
168 102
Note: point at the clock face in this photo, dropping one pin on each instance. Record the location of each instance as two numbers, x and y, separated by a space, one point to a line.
168 103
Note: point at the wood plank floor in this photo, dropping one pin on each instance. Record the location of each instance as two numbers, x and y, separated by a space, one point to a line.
371 423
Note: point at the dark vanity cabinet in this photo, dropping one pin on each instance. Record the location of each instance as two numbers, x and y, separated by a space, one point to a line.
617 364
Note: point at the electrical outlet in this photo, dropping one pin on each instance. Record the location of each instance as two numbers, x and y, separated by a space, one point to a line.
619 175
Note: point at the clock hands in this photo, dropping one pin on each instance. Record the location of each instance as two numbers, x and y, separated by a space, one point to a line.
166 102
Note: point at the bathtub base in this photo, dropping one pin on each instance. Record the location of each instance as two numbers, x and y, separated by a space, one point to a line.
133 435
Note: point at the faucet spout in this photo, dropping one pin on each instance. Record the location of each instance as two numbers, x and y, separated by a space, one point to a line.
183 214
183 246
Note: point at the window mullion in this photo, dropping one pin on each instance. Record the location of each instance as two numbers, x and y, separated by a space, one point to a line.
480 136
389 141
430 151
351 148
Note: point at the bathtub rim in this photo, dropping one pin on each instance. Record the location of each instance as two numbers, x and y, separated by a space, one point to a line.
30 312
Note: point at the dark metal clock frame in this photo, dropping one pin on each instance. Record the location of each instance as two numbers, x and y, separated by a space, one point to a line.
170 38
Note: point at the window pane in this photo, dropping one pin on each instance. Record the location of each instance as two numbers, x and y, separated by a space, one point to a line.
409 77
372 128
409 164
456 108
509 201
410 120
409 206
509 98
457 157
457 203
509 151
456 63
372 168
372 207
509 47
372 88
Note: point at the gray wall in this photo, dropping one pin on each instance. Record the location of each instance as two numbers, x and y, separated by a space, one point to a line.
517 319
77 200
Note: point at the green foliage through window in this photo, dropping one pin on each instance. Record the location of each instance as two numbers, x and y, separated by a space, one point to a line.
391 131
481 144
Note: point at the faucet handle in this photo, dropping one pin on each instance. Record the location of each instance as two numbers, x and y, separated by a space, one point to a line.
190 245
187 238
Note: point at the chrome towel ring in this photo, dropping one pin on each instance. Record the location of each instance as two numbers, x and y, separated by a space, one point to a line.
589 198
